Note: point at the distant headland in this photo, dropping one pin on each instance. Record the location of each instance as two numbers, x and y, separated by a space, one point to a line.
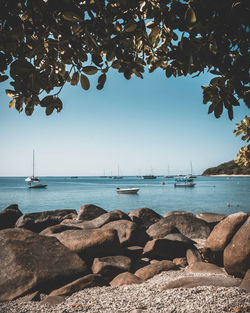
228 168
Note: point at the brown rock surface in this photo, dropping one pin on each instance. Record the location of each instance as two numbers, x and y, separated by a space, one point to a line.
33 262
125 279
236 255
89 212
181 262
245 284
193 255
195 281
153 269
129 233
202 267
90 243
186 223
56 229
38 221
88 281
9 216
146 216
164 248
221 236
99 221
111 266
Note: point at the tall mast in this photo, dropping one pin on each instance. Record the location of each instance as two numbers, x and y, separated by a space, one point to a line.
33 163
191 167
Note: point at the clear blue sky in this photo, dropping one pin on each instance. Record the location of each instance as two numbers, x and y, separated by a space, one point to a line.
154 123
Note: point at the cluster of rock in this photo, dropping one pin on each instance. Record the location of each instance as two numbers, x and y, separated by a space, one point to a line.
61 252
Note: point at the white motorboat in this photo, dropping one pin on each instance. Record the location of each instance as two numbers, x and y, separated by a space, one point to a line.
184 184
32 178
127 190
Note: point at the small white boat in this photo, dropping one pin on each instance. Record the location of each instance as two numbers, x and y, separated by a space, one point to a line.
127 190
184 184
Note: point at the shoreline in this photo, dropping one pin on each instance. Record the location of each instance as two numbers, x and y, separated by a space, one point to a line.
227 175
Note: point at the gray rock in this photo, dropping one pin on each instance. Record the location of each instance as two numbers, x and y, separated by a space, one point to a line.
125 279
145 216
88 281
91 243
129 233
236 255
111 266
9 216
38 221
33 262
191 282
153 269
89 212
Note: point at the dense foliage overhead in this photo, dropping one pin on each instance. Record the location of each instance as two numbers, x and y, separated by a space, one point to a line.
47 43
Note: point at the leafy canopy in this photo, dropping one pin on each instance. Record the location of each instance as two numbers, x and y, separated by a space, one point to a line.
47 43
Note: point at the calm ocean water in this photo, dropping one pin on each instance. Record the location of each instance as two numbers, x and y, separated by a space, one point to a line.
211 194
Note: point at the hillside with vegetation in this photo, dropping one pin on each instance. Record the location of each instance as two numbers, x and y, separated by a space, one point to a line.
228 168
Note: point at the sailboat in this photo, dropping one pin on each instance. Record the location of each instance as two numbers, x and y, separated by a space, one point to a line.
33 178
191 174
118 176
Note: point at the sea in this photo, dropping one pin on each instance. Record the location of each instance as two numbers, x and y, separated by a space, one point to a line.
224 195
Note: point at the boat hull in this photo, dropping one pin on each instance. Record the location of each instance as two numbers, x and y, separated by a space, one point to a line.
127 190
184 185
39 186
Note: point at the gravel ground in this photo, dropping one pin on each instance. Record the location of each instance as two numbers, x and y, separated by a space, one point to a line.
144 298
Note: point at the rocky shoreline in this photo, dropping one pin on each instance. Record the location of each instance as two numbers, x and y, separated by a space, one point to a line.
98 261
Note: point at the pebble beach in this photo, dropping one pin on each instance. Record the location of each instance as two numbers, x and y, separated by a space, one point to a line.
147 297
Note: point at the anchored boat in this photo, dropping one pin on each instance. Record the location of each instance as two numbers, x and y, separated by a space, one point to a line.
127 190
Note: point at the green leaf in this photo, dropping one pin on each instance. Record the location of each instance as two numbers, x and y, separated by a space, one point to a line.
90 70
75 79
130 27
10 93
47 101
12 103
58 104
85 82
49 109
72 17
190 16
102 79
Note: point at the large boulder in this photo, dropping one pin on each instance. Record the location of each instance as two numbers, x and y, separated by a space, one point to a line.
202 267
129 233
211 218
99 221
186 223
88 281
221 236
145 216
193 256
91 243
9 216
155 268
33 262
166 249
245 284
89 212
38 221
111 266
196 281
125 279
236 255
57 229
